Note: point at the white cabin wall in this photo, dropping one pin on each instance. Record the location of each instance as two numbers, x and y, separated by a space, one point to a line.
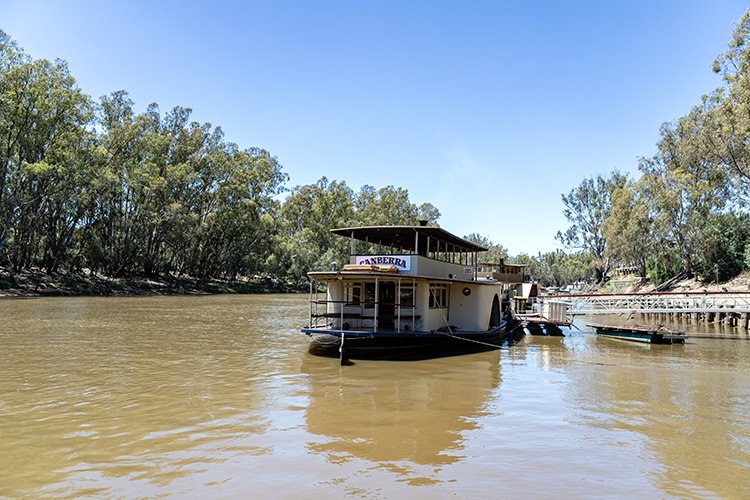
424 266
472 312
465 310
436 318
468 313
334 296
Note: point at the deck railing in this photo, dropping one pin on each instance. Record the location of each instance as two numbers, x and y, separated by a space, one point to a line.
368 311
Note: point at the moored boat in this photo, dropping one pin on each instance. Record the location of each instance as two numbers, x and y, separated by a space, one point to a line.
408 292
655 334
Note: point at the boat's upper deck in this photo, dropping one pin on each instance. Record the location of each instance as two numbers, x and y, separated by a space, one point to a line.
420 240
417 251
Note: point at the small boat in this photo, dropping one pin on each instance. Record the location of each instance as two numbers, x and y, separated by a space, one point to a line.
652 334
408 292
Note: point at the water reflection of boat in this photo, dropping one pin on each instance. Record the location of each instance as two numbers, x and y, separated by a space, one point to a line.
408 292
418 414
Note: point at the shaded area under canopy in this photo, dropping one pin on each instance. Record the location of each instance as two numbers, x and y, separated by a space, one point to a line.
404 237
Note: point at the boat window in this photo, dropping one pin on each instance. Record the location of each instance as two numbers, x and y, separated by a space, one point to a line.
353 293
407 295
369 294
438 296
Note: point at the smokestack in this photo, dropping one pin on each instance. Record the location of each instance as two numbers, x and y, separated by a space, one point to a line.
422 222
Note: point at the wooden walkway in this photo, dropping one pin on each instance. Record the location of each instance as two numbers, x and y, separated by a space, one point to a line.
662 302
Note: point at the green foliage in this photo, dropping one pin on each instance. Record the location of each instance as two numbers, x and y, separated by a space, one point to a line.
307 217
104 187
429 213
495 253
558 268
310 212
587 207
101 186
627 229
44 137
727 239
684 184
98 185
687 213
662 266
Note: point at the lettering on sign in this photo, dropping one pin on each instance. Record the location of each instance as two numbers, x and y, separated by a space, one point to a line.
400 263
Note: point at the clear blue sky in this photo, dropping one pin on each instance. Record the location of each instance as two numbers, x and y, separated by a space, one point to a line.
488 110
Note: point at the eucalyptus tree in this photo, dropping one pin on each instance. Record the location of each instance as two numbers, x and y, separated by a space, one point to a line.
307 216
428 212
495 252
310 212
629 230
173 196
387 205
727 240
240 227
44 140
120 187
730 108
684 184
587 207
559 268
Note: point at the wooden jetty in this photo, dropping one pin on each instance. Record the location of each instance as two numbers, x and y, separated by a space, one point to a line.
549 320
652 334
705 303
729 309
536 324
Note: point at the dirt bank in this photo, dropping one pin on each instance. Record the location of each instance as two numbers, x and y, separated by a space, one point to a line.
632 284
37 283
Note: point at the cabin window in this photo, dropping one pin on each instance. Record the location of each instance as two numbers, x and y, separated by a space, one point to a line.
369 294
353 293
438 296
407 295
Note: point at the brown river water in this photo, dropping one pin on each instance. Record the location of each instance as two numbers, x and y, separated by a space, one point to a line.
217 396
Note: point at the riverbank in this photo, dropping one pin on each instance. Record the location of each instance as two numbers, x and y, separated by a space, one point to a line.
40 284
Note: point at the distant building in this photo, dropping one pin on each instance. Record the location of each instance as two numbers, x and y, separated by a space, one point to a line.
507 273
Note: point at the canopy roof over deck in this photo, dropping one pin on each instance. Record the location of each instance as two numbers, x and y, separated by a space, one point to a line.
406 237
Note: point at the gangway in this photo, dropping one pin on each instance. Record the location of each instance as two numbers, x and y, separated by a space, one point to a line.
657 302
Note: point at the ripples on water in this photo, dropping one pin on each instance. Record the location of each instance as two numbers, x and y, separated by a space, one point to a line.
199 396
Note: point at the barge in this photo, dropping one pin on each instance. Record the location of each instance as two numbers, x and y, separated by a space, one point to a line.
652 334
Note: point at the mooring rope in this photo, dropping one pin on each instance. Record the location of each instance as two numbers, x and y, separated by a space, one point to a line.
449 333
479 341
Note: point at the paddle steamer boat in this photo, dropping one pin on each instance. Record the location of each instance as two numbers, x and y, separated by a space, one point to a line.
408 292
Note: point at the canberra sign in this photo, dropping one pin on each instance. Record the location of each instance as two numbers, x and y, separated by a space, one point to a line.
402 263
